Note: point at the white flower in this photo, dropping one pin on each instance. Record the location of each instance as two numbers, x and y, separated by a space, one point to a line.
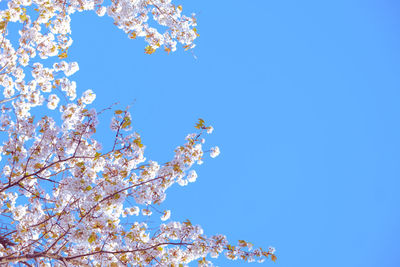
146 212
182 182
8 92
19 212
133 211
53 101
46 87
214 152
210 129
145 237
60 65
166 215
191 136
192 176
101 11
72 68
88 97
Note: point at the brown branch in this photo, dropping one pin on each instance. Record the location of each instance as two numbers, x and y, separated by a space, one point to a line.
72 259
6 242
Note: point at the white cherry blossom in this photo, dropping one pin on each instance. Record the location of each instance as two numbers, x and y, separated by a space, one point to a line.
214 152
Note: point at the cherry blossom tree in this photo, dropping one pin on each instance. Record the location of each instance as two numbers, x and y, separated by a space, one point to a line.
66 201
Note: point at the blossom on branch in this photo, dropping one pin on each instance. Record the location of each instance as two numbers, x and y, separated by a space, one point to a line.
66 201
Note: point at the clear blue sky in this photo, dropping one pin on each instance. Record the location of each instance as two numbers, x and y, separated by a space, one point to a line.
304 98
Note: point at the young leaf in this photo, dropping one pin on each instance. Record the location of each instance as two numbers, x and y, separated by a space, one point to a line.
92 237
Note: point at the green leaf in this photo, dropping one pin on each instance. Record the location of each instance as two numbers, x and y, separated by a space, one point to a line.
149 50
23 17
127 122
97 198
63 55
138 142
97 155
187 222
92 238
200 124
3 25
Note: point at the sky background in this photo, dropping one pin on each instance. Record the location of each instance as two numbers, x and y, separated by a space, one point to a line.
303 96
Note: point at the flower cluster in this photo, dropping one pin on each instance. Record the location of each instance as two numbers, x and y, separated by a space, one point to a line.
66 201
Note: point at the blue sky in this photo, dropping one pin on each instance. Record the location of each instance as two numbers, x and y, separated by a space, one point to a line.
303 96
